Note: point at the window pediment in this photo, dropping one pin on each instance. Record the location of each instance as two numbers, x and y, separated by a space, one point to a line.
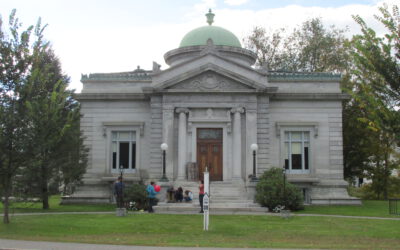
296 126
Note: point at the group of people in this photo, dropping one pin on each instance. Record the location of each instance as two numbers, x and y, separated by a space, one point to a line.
179 195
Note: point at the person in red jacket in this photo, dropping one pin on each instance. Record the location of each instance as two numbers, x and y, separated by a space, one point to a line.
201 195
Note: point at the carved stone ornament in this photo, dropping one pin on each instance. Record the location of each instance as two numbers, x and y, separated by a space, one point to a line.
210 82
210 48
237 110
182 110
209 113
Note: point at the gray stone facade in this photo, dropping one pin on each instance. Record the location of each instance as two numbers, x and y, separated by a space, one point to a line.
213 87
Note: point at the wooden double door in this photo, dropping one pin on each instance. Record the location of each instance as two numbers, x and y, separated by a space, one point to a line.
209 152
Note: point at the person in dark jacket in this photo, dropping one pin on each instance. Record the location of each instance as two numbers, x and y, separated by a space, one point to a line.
119 187
179 194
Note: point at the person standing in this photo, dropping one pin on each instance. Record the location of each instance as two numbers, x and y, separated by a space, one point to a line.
201 195
151 195
119 187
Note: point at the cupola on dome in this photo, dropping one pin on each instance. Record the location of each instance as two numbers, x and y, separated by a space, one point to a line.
218 35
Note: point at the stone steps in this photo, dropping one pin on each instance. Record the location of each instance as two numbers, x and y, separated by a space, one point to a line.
217 207
224 197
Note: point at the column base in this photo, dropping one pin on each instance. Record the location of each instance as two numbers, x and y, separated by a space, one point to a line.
254 179
163 179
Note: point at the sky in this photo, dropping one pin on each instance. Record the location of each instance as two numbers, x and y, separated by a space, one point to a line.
102 36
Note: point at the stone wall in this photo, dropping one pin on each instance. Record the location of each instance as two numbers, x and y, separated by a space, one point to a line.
96 115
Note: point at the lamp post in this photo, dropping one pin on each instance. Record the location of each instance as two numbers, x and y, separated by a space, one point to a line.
254 148
164 147
284 186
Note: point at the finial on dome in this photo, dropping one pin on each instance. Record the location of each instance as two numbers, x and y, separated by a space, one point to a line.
210 17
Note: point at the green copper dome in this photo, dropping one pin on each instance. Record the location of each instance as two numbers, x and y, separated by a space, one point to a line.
218 35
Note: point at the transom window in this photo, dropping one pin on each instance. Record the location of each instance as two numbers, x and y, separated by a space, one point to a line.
123 150
297 150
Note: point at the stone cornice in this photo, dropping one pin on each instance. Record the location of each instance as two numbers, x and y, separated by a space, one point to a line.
310 96
198 51
109 96
138 75
303 77
153 91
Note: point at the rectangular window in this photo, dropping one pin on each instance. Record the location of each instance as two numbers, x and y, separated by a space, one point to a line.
114 155
296 151
123 150
124 155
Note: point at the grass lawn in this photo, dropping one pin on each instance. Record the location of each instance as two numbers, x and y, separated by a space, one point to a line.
368 208
224 231
54 202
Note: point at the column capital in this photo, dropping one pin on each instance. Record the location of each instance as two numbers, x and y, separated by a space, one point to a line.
182 110
237 110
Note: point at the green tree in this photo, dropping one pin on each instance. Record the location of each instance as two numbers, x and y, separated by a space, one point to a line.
56 146
15 62
310 47
268 47
376 79
72 153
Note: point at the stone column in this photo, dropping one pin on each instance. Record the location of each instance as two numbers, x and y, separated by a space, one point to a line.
182 132
237 144
167 131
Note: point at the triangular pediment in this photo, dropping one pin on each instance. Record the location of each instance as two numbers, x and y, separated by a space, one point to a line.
208 77
210 81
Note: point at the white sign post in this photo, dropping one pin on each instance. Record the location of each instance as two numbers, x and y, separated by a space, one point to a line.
206 204
207 182
206 200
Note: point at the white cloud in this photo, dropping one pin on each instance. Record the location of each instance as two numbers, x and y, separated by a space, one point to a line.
205 5
235 2
116 49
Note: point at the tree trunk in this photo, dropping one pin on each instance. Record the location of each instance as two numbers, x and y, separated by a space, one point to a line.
6 219
386 176
377 179
45 201
45 190
8 182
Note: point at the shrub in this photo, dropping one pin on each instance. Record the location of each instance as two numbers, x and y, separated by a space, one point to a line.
272 191
137 193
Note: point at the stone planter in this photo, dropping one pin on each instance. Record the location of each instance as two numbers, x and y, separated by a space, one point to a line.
120 212
285 214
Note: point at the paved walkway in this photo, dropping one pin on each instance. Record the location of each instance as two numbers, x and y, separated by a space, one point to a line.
45 245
